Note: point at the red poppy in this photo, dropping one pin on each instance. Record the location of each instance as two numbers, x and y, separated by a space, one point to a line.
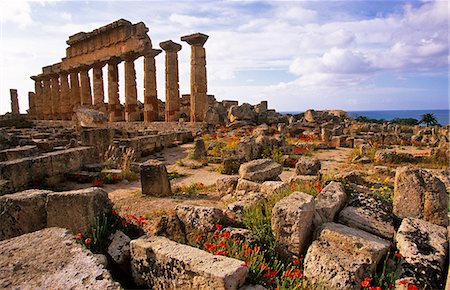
296 262
226 235
245 264
366 282
403 282
412 287
222 244
375 288
87 241
78 236
219 227
398 255
114 212
210 246
199 238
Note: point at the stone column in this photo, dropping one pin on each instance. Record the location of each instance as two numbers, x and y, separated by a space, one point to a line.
199 98
38 98
32 105
75 94
150 92
99 94
131 110
85 86
14 102
114 109
55 92
47 99
172 112
66 110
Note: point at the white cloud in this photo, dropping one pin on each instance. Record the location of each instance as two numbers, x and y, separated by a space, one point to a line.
17 12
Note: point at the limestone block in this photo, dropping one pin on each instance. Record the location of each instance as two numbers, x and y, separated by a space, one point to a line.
5 187
329 202
354 176
231 164
154 179
292 223
273 187
199 219
50 259
307 166
424 247
22 212
420 194
199 150
119 249
160 263
260 170
246 201
18 152
226 185
76 210
17 171
370 214
247 186
299 179
41 166
341 257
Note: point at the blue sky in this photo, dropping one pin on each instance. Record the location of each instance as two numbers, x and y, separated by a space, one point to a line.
351 55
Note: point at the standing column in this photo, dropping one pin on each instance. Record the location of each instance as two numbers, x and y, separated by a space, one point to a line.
47 99
172 112
85 87
32 105
114 109
99 94
38 98
75 94
14 102
55 91
199 98
131 112
150 92
65 107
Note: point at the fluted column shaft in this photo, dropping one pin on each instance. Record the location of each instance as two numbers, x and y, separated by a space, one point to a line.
14 102
32 105
150 92
199 97
66 113
172 110
131 113
55 93
38 99
85 85
99 94
75 99
47 99
114 109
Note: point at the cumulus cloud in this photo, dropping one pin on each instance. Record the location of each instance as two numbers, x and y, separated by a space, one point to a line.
17 12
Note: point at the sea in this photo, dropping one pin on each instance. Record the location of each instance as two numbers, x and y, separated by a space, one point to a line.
442 116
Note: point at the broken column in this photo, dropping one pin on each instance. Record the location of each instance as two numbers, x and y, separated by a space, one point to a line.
99 95
75 95
14 102
131 110
150 92
31 105
172 112
114 109
65 97
38 97
55 92
199 99
85 85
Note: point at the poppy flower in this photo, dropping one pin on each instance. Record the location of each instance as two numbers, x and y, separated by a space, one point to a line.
398 255
403 282
78 236
366 282
412 287
87 241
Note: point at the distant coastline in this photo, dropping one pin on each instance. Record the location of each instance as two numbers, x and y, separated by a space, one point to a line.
443 116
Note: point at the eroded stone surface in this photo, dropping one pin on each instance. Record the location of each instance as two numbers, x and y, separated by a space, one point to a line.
119 249
329 202
292 223
163 264
273 187
260 170
154 179
307 166
424 247
247 186
226 185
370 214
50 259
420 194
341 257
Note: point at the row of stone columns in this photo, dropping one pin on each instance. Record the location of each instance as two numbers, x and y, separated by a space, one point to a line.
59 93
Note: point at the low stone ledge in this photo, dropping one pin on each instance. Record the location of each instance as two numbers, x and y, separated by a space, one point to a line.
160 263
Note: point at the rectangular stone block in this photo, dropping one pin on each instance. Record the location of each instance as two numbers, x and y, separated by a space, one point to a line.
22 212
160 263
17 171
154 179
18 152
77 209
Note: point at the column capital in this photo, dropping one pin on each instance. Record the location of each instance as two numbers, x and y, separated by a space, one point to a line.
170 46
98 64
114 60
195 39
152 53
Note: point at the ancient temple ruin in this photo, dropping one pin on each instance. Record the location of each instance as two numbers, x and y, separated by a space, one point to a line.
62 87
